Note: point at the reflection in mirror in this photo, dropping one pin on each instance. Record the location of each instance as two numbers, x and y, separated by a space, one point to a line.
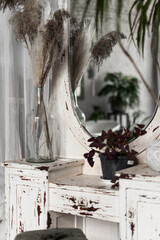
109 95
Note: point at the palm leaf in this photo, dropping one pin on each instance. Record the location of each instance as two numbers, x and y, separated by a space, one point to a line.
86 8
146 12
99 11
107 89
112 77
151 13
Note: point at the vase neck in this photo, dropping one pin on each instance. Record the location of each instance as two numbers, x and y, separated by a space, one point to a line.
39 94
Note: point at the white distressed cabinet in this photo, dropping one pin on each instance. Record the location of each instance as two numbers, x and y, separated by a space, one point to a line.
32 191
139 204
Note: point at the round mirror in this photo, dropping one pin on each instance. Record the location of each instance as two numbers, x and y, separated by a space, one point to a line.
107 90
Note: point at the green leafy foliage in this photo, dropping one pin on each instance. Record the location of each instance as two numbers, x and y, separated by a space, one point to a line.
97 114
143 16
122 90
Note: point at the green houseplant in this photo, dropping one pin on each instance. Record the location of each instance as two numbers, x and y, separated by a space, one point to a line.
113 150
122 91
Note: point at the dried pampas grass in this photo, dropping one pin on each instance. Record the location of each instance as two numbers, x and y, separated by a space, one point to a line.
25 24
82 52
11 4
47 47
14 4
81 39
44 41
103 47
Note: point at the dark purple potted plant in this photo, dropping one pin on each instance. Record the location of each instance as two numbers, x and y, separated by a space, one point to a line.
114 151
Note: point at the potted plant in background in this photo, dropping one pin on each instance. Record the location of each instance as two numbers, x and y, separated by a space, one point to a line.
113 150
123 91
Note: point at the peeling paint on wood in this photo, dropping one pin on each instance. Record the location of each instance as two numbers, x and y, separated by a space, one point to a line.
95 202
132 226
127 176
43 168
44 198
24 178
49 220
5 164
21 227
75 206
39 213
76 196
89 209
73 199
155 129
66 106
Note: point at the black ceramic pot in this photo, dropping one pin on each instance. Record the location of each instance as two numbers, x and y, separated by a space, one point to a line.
109 167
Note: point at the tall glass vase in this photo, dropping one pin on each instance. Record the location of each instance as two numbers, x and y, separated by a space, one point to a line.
39 132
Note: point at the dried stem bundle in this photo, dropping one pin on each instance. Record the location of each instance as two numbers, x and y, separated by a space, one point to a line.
81 39
103 47
26 22
44 42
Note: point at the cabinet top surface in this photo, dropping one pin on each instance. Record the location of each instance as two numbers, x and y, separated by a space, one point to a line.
141 172
59 163
84 182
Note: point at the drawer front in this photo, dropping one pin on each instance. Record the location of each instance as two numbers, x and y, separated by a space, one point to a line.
100 206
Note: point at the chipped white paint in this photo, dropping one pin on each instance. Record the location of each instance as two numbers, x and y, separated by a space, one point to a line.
139 204
26 200
85 195
27 193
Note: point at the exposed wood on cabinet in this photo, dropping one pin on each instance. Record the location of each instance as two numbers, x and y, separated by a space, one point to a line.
49 220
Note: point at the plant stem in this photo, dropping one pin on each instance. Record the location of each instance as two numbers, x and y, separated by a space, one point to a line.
46 129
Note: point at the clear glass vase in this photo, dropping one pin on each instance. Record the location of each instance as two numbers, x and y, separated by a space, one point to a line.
39 124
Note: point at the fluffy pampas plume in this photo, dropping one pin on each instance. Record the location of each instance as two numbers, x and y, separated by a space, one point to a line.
81 40
81 51
11 4
44 41
102 49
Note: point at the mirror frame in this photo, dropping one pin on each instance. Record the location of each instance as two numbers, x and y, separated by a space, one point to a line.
80 133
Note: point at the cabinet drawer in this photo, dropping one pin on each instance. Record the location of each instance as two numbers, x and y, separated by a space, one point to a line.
96 205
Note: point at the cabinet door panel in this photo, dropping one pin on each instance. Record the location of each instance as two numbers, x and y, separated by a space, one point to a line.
148 221
143 218
26 201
